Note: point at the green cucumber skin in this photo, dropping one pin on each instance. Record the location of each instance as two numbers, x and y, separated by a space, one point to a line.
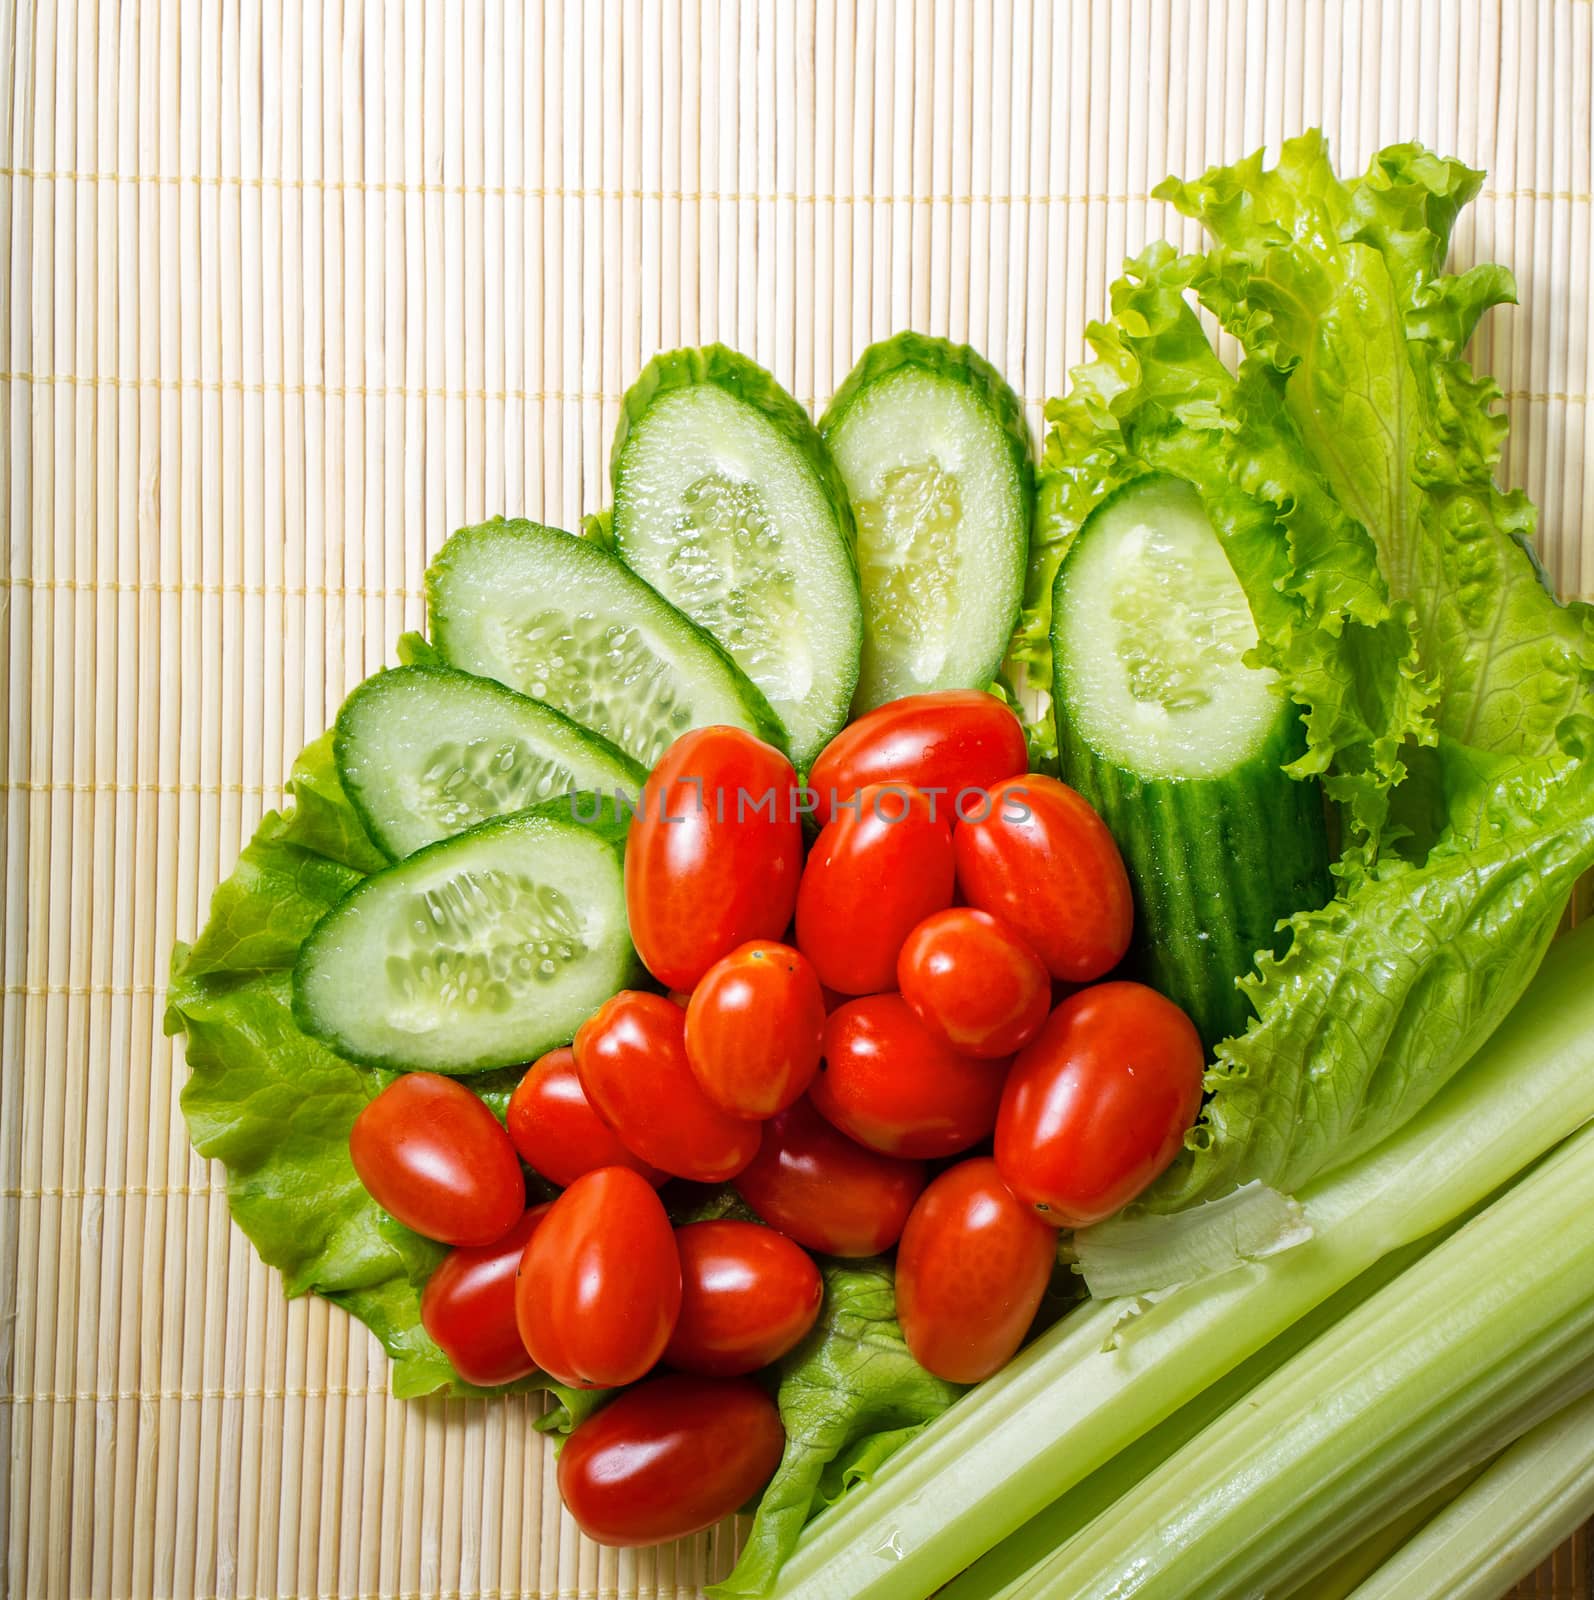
963 364
599 815
744 380
594 546
947 360
1215 863
627 772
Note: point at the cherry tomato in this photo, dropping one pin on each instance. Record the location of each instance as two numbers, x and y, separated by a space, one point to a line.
557 1132
468 1307
956 742
434 1157
973 981
753 1027
599 1285
873 874
631 1057
971 1269
748 1294
829 1194
670 1457
713 854
893 1085
1098 1103
1042 861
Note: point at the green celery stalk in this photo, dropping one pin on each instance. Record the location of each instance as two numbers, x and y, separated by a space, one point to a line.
1113 1370
1340 1579
1492 1330
999 1571
1505 1522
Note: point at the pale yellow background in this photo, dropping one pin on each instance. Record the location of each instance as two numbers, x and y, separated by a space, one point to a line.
289 293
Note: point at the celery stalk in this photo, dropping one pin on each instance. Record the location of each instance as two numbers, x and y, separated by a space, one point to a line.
1111 1371
1340 1579
999 1571
1433 1374
1505 1522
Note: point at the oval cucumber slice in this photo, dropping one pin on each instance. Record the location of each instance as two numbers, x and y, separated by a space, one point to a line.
935 453
726 501
427 752
1182 747
480 952
1157 627
561 620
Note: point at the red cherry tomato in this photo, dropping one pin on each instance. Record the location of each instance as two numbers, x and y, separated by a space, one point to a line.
748 1294
433 1156
957 742
829 1194
468 1307
557 1132
753 1027
974 982
1044 863
713 853
893 1085
971 1269
1098 1103
670 1457
874 873
631 1057
599 1286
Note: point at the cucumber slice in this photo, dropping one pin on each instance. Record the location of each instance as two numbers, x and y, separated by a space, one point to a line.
560 619
727 503
479 952
1181 746
934 450
427 752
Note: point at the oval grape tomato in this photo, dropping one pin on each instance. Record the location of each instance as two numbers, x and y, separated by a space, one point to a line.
820 1188
973 981
972 1267
877 870
599 1285
713 853
433 1156
956 744
893 1085
631 1058
670 1457
753 1028
748 1294
468 1307
1043 862
1098 1103
557 1132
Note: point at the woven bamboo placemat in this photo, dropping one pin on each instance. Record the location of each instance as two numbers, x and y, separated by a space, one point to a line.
290 292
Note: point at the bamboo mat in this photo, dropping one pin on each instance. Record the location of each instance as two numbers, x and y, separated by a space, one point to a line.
289 293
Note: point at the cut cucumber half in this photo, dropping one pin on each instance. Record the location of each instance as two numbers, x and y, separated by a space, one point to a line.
726 501
480 952
1181 746
427 752
934 450
560 619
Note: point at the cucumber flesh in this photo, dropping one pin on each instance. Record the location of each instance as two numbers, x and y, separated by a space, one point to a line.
934 451
427 752
562 621
480 952
1157 628
726 502
1182 747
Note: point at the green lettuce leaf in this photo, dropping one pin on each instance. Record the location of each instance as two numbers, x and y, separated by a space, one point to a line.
1338 288
850 1395
275 1107
1348 467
